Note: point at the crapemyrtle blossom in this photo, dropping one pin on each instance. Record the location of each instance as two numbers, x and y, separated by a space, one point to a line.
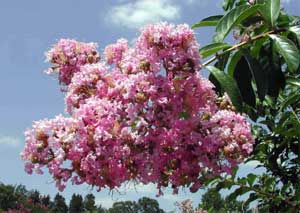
143 114
67 56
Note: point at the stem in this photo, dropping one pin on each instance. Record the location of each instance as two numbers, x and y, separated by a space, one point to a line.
241 44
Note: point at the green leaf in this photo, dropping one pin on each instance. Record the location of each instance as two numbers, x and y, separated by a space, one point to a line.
288 50
222 61
233 18
209 21
212 49
242 75
251 178
296 31
258 74
284 20
292 99
269 60
293 81
229 85
270 11
233 62
228 4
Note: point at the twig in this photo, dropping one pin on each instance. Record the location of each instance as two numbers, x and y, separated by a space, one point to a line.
241 44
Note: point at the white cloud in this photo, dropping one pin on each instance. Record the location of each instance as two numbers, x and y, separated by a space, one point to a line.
252 164
138 13
139 188
9 140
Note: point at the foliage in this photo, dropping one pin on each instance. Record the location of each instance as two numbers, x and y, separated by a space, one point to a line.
59 204
76 204
18 199
89 203
15 199
144 205
213 202
265 67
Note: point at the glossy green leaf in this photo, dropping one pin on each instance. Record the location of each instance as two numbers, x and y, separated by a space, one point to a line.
296 31
212 49
270 11
288 50
270 62
229 85
243 76
233 62
207 22
258 74
233 18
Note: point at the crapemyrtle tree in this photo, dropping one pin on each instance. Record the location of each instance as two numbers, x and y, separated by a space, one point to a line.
145 113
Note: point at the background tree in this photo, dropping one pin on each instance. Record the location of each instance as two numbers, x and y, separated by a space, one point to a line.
124 206
76 204
89 203
101 209
148 205
261 75
59 204
35 197
46 200
8 197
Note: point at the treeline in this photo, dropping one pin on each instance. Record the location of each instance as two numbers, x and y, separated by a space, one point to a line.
17 199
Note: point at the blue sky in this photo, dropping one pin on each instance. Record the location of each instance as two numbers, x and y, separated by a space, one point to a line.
29 28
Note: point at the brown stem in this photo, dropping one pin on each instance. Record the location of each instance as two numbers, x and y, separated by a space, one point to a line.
241 44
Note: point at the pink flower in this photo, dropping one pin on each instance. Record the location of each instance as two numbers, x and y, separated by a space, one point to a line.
149 117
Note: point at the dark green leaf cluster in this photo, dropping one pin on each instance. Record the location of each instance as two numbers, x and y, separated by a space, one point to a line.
143 205
261 75
212 201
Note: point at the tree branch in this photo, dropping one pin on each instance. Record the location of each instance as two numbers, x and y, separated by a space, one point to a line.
241 44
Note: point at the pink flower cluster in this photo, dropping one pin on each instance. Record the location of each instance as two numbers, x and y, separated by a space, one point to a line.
68 56
148 117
